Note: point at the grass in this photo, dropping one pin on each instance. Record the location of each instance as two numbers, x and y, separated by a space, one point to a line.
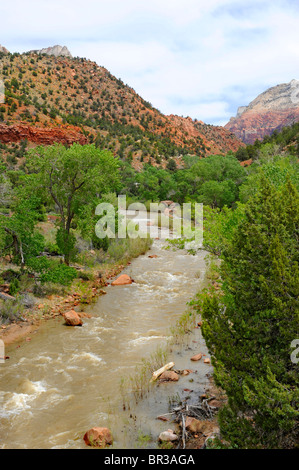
143 439
139 384
10 310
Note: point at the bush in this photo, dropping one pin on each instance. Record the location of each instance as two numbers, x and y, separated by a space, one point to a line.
14 286
11 310
61 274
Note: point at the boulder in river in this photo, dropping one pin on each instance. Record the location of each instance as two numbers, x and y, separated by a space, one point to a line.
169 376
122 280
196 358
72 318
98 437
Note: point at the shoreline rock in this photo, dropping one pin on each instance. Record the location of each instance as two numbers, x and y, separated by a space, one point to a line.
98 437
122 280
72 318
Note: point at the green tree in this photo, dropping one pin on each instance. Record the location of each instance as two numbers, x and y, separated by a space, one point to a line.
73 178
250 325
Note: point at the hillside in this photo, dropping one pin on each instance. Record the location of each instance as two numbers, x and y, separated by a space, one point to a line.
63 99
272 110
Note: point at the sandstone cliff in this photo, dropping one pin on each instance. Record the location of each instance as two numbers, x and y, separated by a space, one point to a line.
41 136
272 110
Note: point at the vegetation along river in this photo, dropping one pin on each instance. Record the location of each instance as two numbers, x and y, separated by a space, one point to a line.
67 380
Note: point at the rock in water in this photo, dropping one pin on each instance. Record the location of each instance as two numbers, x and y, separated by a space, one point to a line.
196 358
122 280
72 318
168 436
169 376
98 437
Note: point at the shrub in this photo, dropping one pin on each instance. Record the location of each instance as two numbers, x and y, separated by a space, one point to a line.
61 274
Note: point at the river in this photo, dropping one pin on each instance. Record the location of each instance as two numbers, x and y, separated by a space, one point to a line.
66 380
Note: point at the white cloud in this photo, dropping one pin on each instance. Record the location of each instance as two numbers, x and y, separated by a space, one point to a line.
195 58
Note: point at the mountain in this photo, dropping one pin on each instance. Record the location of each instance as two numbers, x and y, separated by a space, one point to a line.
55 51
61 99
272 110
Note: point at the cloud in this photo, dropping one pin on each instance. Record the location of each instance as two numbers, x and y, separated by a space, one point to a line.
196 58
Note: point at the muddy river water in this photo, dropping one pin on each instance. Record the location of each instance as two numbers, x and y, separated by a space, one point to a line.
67 380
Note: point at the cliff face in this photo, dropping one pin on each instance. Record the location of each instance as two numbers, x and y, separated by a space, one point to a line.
215 139
272 110
41 136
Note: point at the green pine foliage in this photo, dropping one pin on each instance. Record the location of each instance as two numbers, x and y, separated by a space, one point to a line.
249 327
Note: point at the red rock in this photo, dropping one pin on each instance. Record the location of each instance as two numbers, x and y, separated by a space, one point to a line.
72 318
42 136
162 418
196 358
153 256
122 280
207 361
98 437
194 426
169 376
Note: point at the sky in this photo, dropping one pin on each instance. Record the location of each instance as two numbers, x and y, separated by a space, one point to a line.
197 58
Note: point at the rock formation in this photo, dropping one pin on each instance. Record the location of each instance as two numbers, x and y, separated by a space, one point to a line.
41 136
55 50
272 110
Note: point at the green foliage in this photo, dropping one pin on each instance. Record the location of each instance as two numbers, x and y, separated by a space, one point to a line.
14 286
249 327
61 274
277 170
17 232
11 310
71 178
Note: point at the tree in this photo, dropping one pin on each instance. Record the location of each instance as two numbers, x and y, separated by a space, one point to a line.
72 178
250 325
17 231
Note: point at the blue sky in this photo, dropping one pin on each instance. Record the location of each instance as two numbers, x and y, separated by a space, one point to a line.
192 58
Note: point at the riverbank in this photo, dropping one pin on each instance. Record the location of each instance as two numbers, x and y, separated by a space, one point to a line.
186 399
81 293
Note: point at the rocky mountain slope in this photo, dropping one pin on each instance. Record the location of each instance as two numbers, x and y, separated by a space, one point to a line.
51 98
272 110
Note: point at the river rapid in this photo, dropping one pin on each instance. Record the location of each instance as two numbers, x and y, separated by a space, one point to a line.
67 380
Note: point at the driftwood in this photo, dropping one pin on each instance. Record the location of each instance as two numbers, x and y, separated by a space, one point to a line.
158 372
202 411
